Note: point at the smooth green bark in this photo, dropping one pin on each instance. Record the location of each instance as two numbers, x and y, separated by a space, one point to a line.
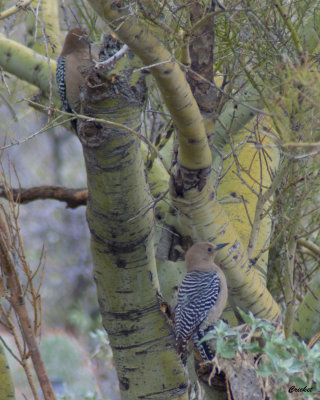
6 384
27 65
307 317
121 222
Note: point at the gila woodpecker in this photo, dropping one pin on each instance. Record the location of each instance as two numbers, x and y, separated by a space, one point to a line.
74 57
201 299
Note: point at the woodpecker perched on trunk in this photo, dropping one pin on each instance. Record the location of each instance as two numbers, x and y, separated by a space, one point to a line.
75 56
201 299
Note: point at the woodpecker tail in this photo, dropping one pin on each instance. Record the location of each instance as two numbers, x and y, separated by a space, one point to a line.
182 350
181 346
203 347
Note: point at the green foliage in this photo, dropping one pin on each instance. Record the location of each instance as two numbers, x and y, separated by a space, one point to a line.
86 15
83 322
286 362
64 357
102 344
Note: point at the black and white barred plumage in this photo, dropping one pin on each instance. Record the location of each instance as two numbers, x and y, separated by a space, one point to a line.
61 82
197 296
62 88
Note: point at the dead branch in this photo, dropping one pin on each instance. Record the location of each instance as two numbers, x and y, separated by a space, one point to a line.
17 300
73 197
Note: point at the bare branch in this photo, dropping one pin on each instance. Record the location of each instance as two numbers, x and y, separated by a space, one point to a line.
73 197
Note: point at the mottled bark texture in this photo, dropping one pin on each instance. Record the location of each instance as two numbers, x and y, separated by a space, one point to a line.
201 50
121 224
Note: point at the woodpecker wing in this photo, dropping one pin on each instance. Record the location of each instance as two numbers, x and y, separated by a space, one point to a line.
61 82
197 295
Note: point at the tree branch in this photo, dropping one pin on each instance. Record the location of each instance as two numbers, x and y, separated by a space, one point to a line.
73 197
20 5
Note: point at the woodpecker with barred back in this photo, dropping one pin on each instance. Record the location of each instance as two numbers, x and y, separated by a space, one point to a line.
201 299
75 56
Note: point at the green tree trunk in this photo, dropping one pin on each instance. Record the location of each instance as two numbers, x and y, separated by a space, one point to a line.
6 385
120 218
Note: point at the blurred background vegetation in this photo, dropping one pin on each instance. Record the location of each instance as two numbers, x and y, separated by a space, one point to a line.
68 294
73 341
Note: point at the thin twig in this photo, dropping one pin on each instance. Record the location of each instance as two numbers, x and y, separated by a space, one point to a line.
103 64
108 123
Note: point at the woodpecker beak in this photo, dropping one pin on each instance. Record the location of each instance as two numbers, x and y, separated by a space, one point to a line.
220 246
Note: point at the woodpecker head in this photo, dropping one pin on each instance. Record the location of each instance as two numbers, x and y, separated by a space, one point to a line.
76 40
200 257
